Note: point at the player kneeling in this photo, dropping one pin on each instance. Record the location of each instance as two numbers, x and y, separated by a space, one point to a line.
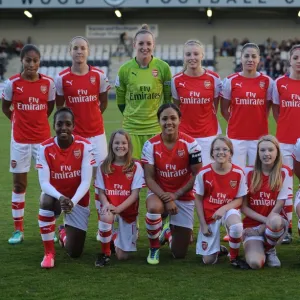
219 188
270 185
119 179
65 166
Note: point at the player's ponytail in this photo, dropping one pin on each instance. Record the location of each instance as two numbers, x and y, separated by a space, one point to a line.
275 177
143 30
106 166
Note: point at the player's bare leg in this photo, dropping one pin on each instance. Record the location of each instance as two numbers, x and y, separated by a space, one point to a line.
181 237
255 254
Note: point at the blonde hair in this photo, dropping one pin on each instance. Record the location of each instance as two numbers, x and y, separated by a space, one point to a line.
191 43
275 176
225 140
143 30
79 37
106 167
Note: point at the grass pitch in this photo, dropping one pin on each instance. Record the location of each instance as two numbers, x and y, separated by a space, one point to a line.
21 276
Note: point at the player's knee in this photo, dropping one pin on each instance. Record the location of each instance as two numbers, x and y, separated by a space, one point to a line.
276 222
255 264
236 230
74 253
47 202
210 259
121 255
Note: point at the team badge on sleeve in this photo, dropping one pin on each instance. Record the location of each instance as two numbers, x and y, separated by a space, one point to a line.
77 153
44 89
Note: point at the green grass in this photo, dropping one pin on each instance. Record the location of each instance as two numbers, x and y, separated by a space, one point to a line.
22 278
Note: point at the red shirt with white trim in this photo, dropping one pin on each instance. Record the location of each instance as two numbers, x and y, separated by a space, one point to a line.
248 105
30 105
264 200
286 94
218 190
65 165
81 93
172 167
196 96
119 185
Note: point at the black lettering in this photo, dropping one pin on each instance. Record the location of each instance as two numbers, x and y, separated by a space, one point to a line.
46 1
79 1
262 2
215 1
25 1
63 1
165 1
231 1
183 1
289 1
247 2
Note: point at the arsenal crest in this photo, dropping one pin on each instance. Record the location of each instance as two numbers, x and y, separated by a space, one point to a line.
204 245
44 89
233 183
154 73
180 153
207 84
77 153
262 84
93 80
13 163
129 175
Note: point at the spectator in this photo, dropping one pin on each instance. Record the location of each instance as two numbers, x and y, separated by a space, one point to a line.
3 62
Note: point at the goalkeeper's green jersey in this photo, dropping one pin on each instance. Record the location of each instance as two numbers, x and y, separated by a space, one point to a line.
142 91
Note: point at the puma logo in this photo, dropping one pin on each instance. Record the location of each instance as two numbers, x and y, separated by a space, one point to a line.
239 84
70 82
20 89
284 86
159 154
209 182
182 84
52 155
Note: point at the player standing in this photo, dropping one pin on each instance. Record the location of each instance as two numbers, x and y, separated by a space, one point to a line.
286 110
196 91
270 185
32 97
219 189
84 89
65 166
142 85
245 106
171 161
119 180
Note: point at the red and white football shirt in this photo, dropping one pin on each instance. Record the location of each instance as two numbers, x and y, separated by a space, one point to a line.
218 190
65 165
248 105
81 93
196 96
264 200
286 94
30 102
172 167
119 185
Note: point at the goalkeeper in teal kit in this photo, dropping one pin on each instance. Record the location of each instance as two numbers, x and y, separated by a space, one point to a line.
142 85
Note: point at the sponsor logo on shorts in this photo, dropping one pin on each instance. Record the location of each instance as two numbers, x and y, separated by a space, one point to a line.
204 245
262 84
181 153
155 73
233 183
77 153
13 163
44 89
93 80
207 84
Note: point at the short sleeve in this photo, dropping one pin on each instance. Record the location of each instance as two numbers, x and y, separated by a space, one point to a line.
52 91
59 86
217 87
243 190
296 152
286 191
226 89
147 154
8 90
270 89
275 94
138 179
195 156
199 184
173 90
99 182
104 83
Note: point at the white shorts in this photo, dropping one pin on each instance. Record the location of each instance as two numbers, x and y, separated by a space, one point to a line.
254 238
126 235
207 245
244 152
185 216
78 218
205 144
287 151
99 147
21 156
297 199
